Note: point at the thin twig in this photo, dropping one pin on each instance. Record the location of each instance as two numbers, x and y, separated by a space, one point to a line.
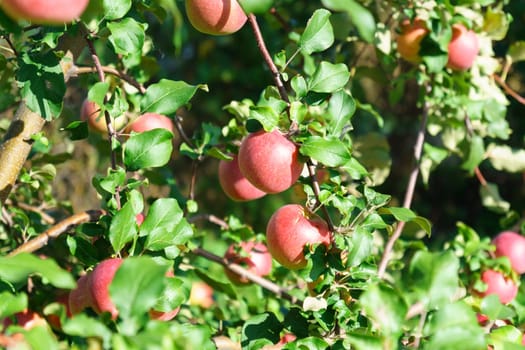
409 194
112 135
110 70
242 272
182 133
53 232
211 218
267 58
508 89
315 185
47 218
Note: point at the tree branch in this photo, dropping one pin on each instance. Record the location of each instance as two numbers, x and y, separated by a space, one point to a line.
53 232
409 194
16 146
242 272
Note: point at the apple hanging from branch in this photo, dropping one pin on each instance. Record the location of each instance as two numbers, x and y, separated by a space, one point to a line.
270 161
290 229
215 17
234 184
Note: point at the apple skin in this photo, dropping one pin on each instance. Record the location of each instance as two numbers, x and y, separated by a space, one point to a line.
163 315
45 11
234 184
215 17
498 284
409 40
511 245
254 256
201 294
80 297
463 48
270 161
101 278
150 121
289 229
90 113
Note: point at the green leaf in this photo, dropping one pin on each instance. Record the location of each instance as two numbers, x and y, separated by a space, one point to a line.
123 228
256 6
167 96
516 51
491 198
385 307
83 326
12 303
341 108
506 337
360 16
432 157
454 327
496 23
506 159
165 225
16 269
42 83
263 326
364 341
362 243
492 307
135 289
41 338
329 151
266 116
318 34
115 9
148 149
127 37
475 154
434 277
329 77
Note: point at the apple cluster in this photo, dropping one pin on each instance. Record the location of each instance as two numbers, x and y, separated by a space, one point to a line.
90 112
511 245
463 47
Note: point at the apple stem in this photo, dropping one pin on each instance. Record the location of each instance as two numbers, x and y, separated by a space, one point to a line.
241 271
53 232
411 186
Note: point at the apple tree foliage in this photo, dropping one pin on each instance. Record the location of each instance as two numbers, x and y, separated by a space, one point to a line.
415 167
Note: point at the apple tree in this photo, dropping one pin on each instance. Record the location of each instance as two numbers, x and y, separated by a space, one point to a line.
272 174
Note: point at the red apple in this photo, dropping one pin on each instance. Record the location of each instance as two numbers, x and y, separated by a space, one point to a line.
93 291
253 256
101 278
215 17
234 184
270 161
290 229
150 121
80 298
511 245
139 218
463 48
201 294
409 39
498 284
90 113
163 315
45 11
